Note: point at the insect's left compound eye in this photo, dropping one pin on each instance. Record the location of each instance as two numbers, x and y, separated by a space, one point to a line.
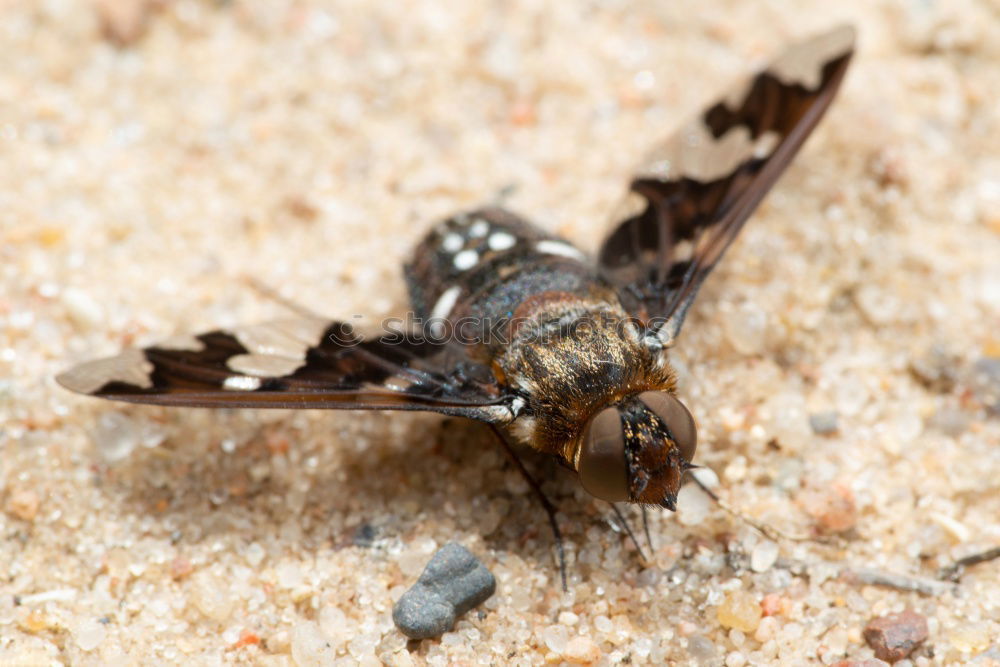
602 466
676 417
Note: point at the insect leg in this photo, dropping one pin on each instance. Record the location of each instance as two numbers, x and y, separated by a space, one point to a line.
628 529
550 509
770 532
645 529
954 571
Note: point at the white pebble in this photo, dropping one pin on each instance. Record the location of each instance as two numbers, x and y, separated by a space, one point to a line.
89 634
568 618
254 554
309 646
335 625
603 624
706 476
210 598
115 436
763 556
766 629
556 637
746 328
735 659
693 505
82 308
290 575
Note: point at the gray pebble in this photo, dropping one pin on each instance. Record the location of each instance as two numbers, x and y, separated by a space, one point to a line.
986 382
824 423
701 648
453 582
935 369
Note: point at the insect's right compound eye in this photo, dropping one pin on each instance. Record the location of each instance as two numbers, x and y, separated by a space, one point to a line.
602 466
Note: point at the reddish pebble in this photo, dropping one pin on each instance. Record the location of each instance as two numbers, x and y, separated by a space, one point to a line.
180 568
772 604
23 504
861 663
831 508
894 637
247 638
123 22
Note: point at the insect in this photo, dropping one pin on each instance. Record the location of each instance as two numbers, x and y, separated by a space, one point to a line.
517 328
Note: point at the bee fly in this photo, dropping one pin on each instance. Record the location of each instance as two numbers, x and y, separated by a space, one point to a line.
578 366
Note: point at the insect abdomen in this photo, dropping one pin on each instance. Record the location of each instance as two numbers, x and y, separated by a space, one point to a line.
483 264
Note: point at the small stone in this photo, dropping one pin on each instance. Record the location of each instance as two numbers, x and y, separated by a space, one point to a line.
746 328
210 598
582 650
568 618
89 634
740 610
255 554
115 436
556 637
986 382
34 622
364 536
766 629
453 582
180 568
736 659
82 308
23 504
935 370
693 505
970 638
123 22
950 421
309 647
335 625
763 556
894 637
832 508
772 604
824 423
873 662
701 648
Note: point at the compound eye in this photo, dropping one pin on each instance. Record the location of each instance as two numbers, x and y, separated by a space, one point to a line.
677 419
603 469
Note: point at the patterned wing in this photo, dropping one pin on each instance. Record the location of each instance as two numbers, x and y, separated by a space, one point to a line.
697 189
301 363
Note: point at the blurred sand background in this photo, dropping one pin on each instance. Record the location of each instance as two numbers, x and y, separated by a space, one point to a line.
152 154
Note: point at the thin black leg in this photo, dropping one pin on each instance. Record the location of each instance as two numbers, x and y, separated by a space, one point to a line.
770 532
628 529
550 509
645 529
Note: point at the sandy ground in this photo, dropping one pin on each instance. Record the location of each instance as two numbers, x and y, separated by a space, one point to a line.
310 145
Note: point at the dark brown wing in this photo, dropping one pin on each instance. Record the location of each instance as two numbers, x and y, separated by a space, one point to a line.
301 363
695 191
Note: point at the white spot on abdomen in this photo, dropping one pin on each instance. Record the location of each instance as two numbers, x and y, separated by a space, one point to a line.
465 260
501 241
479 228
452 242
445 303
559 248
